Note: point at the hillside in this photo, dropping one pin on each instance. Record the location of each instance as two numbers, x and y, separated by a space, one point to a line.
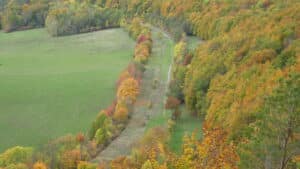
241 85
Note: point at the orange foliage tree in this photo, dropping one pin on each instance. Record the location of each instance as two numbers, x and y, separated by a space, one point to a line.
70 159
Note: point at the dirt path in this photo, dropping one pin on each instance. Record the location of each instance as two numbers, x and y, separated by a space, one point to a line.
157 68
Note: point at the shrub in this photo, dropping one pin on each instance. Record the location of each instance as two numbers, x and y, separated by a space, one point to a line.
172 103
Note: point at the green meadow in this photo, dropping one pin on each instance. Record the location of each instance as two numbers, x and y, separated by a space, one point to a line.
50 87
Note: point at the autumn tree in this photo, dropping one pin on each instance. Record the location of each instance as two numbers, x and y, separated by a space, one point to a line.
173 103
86 165
274 142
80 139
215 152
121 112
128 90
101 121
39 165
15 156
70 159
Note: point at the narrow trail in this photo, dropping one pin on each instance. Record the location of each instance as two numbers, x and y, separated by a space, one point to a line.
167 37
156 70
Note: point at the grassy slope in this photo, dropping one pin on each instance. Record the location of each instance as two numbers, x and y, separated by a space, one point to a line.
186 124
53 86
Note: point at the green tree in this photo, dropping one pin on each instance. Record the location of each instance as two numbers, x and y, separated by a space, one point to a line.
98 123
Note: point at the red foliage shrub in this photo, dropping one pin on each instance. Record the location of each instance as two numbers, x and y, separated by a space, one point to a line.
80 138
187 59
172 103
142 38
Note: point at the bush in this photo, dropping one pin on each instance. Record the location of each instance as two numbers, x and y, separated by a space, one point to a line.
172 103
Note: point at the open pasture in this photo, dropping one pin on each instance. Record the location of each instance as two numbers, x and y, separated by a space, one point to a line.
50 87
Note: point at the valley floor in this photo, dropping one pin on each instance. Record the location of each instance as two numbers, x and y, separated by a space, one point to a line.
156 70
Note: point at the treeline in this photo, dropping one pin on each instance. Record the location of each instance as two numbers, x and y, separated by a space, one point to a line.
62 17
111 121
71 17
23 14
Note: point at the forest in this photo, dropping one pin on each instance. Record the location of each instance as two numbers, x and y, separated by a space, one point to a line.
237 86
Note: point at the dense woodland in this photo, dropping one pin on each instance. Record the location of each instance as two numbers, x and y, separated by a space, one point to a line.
244 81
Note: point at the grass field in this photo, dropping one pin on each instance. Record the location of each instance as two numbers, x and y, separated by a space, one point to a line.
53 86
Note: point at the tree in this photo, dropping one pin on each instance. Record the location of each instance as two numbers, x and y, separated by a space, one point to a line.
128 90
70 159
16 155
274 142
101 136
99 122
172 103
39 165
101 128
121 112
147 165
11 17
80 139
17 166
86 165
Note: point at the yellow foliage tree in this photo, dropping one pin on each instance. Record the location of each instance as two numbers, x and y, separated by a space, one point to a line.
39 165
128 90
